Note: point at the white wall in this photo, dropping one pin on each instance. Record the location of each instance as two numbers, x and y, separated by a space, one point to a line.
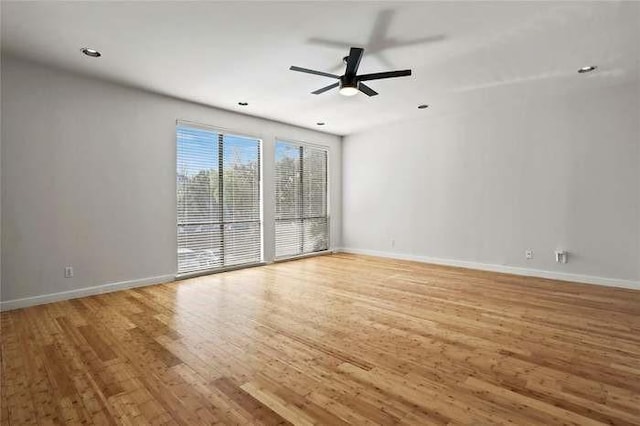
484 186
88 179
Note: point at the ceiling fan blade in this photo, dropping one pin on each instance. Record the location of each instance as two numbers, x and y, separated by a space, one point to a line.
380 28
329 43
424 40
308 71
324 89
353 61
366 89
381 75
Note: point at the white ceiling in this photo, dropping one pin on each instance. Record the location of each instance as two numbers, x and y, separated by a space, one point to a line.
468 54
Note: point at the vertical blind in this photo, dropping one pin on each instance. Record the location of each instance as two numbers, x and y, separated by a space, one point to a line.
302 223
218 189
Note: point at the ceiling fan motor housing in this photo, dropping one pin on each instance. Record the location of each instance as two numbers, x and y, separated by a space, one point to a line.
348 81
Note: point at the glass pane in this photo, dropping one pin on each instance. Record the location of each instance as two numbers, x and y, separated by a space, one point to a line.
315 234
241 174
242 243
288 237
199 232
314 183
288 181
301 200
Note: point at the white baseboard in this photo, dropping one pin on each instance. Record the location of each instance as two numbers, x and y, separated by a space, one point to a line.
562 276
82 292
141 282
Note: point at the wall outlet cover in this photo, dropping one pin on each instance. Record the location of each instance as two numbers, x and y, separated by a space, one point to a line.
68 271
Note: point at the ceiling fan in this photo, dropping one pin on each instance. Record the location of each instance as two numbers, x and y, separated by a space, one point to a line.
350 83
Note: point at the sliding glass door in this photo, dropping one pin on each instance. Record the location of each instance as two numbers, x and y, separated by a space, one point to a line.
219 200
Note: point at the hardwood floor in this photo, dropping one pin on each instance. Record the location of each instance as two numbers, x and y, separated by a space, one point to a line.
331 340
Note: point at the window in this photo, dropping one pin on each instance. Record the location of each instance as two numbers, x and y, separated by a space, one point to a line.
219 213
302 223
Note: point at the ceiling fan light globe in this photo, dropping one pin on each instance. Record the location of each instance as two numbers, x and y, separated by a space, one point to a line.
348 91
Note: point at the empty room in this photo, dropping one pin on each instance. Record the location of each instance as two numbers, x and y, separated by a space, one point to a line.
317 212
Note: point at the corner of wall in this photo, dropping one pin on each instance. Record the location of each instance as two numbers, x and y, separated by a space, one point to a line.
340 239
1 189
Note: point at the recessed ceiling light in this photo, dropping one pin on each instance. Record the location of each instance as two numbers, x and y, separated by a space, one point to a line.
587 69
243 103
91 52
423 106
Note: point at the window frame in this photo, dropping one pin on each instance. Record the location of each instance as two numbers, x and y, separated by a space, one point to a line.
312 145
222 132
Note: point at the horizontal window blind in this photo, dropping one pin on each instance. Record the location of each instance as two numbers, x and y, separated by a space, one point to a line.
302 223
218 189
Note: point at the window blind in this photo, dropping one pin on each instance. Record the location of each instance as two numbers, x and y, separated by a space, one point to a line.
302 223
218 190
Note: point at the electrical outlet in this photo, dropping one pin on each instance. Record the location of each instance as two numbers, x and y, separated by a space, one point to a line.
393 243
68 271
561 256
528 254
